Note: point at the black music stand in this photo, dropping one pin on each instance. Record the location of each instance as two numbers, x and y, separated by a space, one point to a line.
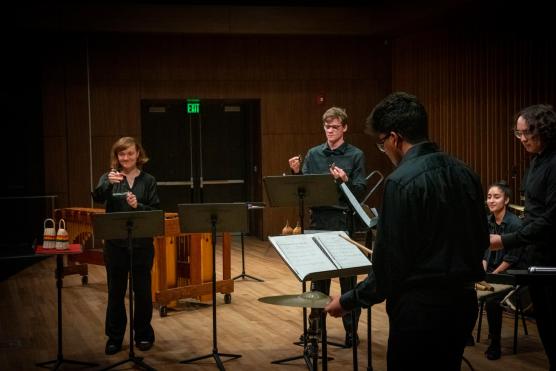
301 191
72 249
129 225
243 275
198 218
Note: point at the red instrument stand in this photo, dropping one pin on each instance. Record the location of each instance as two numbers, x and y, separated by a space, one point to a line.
73 249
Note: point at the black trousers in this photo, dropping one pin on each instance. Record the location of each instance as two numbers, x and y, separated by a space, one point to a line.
494 314
429 328
116 259
543 297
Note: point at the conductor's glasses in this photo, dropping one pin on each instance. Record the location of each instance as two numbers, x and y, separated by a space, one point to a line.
380 143
522 133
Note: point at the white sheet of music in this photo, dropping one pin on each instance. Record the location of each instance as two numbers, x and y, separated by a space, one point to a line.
302 254
342 252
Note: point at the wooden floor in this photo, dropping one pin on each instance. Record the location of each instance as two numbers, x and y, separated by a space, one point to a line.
259 332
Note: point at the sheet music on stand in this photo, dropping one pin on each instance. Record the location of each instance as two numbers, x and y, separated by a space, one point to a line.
321 255
356 206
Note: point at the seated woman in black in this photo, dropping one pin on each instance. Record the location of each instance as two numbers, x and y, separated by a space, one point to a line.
500 221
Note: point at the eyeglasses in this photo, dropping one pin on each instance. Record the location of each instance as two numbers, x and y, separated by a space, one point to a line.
522 133
380 143
333 127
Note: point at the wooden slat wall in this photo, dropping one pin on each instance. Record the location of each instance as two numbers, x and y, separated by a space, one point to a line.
472 85
285 72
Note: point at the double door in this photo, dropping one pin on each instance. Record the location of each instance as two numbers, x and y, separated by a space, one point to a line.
203 151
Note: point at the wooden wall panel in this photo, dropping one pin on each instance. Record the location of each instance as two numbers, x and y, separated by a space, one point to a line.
115 109
285 73
472 85
56 168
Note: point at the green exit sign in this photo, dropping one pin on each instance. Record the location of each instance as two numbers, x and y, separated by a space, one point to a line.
193 106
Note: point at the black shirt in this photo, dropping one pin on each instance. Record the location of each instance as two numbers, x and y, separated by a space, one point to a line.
539 224
432 229
350 159
144 188
510 223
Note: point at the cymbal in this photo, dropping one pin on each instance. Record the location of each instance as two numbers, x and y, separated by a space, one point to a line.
517 207
309 299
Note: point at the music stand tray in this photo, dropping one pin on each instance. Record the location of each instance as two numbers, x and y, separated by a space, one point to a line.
216 217
316 190
129 225
112 226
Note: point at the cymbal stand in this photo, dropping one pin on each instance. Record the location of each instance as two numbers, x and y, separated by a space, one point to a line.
310 340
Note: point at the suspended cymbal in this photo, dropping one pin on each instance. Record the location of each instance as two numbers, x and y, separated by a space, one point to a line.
517 207
309 299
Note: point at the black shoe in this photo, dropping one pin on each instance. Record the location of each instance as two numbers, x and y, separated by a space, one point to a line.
144 345
349 340
112 347
493 352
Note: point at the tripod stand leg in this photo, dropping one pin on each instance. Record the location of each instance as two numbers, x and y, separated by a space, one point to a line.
243 274
136 360
289 359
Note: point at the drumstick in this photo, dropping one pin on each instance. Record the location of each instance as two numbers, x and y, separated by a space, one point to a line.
361 247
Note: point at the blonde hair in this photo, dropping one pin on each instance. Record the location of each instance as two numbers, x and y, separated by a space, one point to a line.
335 112
121 145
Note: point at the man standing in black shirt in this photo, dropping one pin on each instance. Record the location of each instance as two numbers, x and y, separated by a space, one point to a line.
346 163
431 236
536 129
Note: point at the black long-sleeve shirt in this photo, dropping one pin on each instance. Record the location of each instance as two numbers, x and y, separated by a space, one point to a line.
432 229
539 223
347 157
144 188
352 161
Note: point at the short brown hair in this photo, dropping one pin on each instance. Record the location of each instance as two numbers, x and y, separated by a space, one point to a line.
337 112
122 144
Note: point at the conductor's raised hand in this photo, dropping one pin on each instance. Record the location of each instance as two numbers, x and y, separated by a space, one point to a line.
295 164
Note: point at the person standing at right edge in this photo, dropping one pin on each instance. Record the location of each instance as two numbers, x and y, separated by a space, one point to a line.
431 236
536 129
345 163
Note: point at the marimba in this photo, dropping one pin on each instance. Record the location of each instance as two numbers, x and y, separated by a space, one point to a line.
182 262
